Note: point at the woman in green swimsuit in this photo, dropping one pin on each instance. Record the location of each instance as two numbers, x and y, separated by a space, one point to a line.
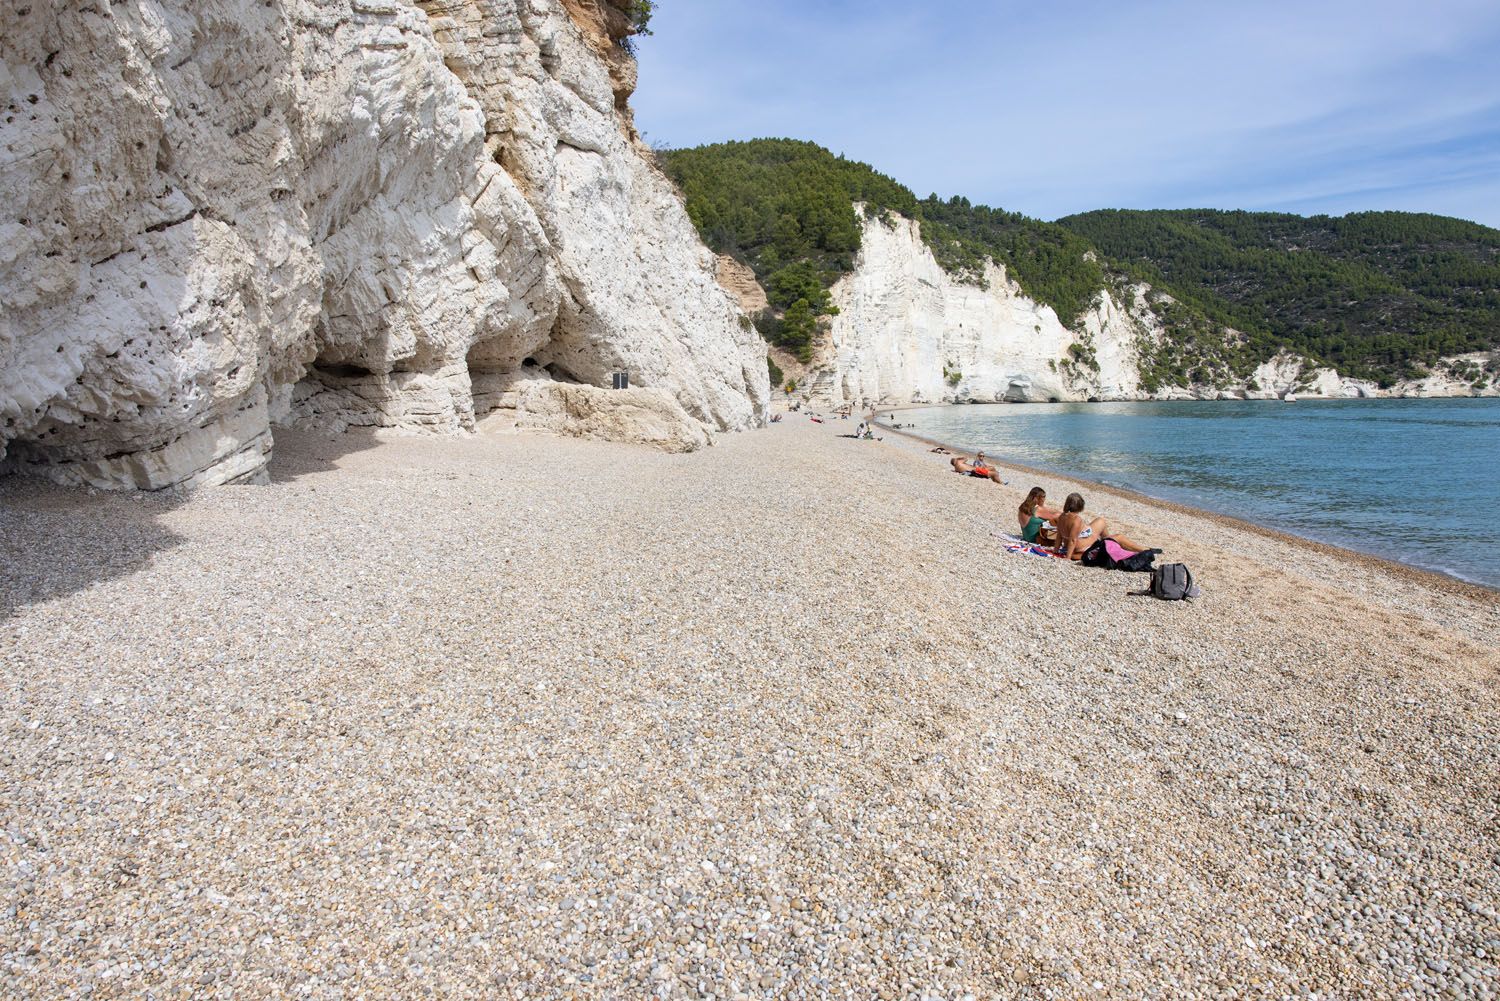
1033 518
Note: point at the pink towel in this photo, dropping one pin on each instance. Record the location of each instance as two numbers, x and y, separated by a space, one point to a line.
1116 551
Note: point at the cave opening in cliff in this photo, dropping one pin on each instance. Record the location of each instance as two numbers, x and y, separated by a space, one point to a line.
560 373
337 392
492 369
339 370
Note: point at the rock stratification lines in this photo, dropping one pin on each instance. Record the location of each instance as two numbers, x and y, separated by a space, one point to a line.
229 215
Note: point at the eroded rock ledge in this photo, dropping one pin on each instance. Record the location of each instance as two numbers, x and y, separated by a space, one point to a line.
230 214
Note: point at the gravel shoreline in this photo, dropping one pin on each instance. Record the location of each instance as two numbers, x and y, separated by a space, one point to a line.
1429 579
516 716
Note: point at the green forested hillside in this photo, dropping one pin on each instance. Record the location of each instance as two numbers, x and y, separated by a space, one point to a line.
1379 295
786 208
1049 262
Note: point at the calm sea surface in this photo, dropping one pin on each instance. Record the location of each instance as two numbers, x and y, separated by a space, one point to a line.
1411 480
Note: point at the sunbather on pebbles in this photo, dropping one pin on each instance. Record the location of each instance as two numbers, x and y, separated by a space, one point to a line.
978 468
1075 534
1036 520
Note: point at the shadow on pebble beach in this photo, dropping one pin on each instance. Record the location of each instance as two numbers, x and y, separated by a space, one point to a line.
300 452
56 540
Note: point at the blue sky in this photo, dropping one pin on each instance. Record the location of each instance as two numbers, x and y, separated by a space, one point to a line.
1052 108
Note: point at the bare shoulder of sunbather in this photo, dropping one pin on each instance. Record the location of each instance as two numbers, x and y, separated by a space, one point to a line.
1069 524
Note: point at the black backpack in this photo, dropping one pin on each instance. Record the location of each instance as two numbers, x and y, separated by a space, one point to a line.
1173 582
1097 556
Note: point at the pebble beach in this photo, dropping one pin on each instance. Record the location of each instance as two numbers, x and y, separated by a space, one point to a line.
515 716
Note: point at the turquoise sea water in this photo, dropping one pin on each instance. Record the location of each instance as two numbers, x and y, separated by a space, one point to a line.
1416 481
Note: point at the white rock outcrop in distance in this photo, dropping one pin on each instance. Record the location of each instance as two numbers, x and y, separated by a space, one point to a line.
228 213
909 332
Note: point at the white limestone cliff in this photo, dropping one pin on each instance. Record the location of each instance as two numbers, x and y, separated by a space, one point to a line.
1476 374
226 214
909 332
1462 375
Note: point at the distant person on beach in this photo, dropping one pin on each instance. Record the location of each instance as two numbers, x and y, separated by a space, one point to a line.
1075 535
978 468
1034 518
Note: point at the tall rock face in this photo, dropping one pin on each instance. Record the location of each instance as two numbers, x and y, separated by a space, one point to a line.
907 331
226 214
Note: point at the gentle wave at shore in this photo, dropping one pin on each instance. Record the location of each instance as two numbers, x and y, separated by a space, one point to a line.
1409 480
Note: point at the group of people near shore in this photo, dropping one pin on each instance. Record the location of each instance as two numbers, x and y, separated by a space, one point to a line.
979 467
1067 532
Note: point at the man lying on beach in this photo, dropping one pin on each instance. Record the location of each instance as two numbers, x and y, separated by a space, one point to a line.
978 468
1075 535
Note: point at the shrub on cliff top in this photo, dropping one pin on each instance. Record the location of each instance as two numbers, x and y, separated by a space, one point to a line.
639 12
